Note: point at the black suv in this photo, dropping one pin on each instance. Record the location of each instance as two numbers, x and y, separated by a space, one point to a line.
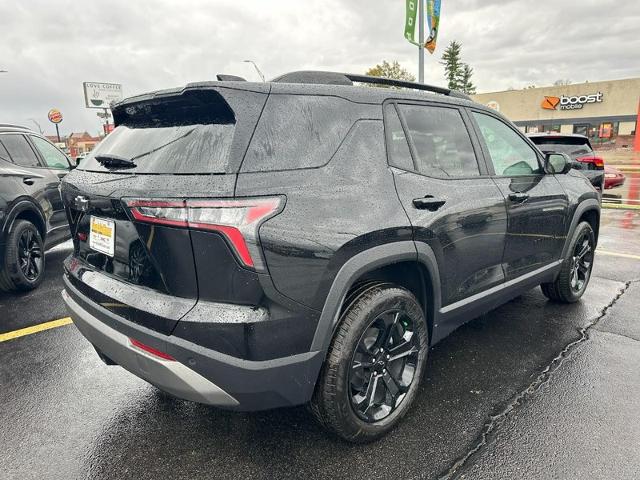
307 240
579 150
32 216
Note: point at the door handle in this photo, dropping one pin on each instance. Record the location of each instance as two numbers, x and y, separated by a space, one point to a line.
428 203
28 180
518 197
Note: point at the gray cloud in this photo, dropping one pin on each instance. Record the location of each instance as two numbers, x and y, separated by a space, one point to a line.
50 48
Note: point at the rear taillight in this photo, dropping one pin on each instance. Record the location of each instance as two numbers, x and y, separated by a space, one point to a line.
597 161
238 220
150 350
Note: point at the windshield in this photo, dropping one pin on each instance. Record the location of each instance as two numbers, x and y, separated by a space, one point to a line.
177 149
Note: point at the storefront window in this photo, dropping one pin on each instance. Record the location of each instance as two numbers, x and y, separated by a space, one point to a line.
550 128
604 132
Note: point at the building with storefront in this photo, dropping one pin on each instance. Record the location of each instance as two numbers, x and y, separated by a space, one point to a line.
606 112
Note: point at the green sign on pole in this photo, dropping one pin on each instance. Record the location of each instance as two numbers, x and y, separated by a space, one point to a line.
410 21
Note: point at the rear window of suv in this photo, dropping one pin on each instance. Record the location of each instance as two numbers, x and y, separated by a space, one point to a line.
185 135
572 146
178 149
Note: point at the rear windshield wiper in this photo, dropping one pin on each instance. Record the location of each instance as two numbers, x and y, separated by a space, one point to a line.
114 161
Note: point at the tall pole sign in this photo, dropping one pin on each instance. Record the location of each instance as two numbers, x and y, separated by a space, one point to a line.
55 117
102 95
415 14
636 143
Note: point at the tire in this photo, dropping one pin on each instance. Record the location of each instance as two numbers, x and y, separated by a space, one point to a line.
363 392
24 244
578 264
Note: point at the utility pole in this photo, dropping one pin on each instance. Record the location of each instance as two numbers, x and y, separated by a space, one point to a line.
257 69
421 41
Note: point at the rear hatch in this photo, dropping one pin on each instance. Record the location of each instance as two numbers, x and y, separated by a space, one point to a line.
578 148
156 189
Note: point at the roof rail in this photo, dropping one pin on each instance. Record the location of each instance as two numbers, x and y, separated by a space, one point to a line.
336 78
11 125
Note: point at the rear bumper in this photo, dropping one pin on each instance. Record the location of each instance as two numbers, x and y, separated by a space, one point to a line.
168 375
197 374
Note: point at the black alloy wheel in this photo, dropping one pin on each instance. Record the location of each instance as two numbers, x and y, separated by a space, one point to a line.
24 260
375 363
383 366
575 271
30 255
582 262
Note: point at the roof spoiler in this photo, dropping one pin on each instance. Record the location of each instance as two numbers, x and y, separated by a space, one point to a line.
222 77
336 78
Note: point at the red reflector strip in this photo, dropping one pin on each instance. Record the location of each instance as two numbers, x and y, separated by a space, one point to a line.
151 350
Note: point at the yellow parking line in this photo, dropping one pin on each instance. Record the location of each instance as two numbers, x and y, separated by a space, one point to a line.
35 329
41 327
620 206
618 254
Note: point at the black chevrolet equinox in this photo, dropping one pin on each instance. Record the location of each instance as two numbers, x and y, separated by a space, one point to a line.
306 240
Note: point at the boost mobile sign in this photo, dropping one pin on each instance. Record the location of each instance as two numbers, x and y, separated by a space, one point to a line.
565 102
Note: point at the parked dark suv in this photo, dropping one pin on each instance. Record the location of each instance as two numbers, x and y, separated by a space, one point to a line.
579 150
255 246
32 216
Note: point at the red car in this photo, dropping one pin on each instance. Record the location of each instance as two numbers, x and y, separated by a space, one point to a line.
612 177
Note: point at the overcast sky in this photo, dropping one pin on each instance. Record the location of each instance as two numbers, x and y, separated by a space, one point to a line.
50 48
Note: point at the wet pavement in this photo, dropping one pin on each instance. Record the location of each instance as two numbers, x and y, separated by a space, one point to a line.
530 390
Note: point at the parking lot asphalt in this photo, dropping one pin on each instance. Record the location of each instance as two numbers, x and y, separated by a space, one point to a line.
531 390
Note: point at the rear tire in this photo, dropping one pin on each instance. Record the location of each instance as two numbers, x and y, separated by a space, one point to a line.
374 365
24 261
575 272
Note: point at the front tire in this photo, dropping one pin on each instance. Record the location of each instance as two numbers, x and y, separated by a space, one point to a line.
24 260
575 272
374 365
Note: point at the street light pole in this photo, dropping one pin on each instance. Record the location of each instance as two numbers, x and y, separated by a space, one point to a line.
37 125
421 41
256 67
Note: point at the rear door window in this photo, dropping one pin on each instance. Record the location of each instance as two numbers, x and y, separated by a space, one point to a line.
4 155
398 147
442 145
298 131
20 151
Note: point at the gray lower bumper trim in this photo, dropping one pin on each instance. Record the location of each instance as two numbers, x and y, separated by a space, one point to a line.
170 376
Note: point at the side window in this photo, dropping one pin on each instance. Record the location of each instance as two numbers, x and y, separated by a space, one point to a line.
4 155
20 150
441 140
510 154
399 154
53 157
298 131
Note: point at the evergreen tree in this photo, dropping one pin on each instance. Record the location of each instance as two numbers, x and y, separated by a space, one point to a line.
465 83
453 66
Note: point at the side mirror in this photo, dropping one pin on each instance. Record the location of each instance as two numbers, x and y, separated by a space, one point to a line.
557 163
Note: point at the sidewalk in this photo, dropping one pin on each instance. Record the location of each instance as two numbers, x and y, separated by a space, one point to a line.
584 422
